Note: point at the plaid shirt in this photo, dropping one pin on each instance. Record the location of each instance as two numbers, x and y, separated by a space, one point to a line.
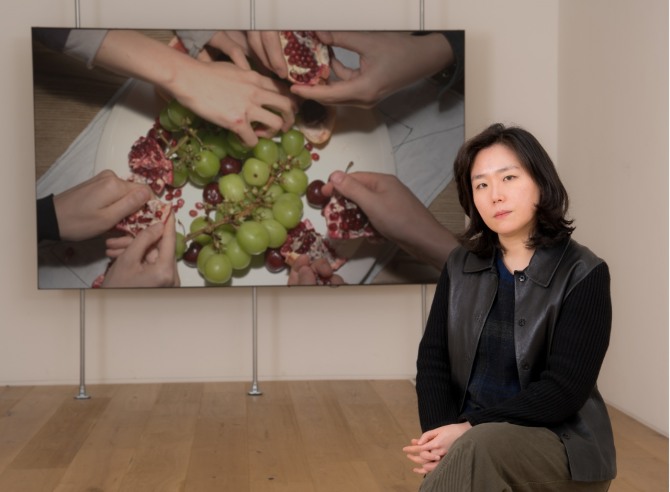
494 375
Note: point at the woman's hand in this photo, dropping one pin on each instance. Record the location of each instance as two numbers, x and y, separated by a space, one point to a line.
304 272
389 61
243 101
147 260
96 205
430 448
395 213
235 98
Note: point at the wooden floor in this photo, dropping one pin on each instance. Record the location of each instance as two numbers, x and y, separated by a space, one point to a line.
336 436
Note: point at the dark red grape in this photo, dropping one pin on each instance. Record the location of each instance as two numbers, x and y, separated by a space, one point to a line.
211 194
274 261
190 256
230 165
315 196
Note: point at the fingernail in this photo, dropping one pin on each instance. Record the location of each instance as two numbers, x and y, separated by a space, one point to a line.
337 177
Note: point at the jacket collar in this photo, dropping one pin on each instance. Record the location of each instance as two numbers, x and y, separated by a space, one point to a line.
542 265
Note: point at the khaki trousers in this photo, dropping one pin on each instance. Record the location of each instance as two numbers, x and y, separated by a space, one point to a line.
501 457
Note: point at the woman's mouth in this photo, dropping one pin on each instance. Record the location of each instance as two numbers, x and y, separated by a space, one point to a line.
502 214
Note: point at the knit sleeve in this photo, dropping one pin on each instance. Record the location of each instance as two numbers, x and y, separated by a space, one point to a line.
47 222
437 405
581 338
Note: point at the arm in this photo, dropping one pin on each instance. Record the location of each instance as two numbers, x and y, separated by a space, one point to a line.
581 338
219 92
438 408
437 404
396 214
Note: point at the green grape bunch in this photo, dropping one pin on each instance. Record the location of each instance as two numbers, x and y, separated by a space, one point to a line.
252 196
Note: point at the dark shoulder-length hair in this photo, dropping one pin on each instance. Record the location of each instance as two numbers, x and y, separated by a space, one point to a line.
552 225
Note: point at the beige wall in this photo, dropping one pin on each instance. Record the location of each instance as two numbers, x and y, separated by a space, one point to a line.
613 154
516 54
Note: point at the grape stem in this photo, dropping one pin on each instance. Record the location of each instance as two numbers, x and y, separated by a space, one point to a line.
242 214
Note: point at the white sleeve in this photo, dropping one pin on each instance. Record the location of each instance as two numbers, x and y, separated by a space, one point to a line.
83 44
194 41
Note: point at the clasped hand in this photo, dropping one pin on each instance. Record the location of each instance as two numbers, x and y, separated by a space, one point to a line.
433 445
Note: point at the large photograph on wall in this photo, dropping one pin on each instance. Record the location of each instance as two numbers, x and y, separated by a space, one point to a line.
198 158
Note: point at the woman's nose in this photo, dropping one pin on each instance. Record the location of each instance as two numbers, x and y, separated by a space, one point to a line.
496 195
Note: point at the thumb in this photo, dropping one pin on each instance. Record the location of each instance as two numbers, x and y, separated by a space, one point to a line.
351 187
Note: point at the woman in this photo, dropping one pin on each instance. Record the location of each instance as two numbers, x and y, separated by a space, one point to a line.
516 336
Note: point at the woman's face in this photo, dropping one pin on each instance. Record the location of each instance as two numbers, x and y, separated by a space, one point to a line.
504 193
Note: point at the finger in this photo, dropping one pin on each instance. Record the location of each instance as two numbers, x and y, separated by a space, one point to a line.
266 118
167 243
351 40
321 93
142 242
322 268
256 44
306 276
273 50
336 280
231 47
246 134
354 188
114 253
129 203
296 264
118 242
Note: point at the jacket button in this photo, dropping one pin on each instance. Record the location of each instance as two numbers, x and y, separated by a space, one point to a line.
565 435
522 322
522 278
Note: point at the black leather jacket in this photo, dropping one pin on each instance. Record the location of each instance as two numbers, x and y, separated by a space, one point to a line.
539 295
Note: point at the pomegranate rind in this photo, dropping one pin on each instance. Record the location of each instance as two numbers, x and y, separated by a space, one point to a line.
313 67
147 159
318 133
153 212
305 240
339 214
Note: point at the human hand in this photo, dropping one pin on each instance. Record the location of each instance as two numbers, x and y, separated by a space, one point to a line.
239 99
389 61
96 205
304 272
266 47
147 260
231 43
243 101
396 213
430 448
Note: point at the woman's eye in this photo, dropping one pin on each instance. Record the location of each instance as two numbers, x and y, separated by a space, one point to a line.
508 178
480 186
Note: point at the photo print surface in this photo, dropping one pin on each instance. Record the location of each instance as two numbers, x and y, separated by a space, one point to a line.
246 210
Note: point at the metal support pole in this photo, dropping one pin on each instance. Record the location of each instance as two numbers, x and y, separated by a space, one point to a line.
82 292
82 346
252 14
254 391
422 15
